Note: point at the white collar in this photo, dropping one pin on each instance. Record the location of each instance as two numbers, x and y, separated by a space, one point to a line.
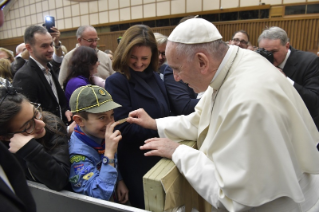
221 66
282 65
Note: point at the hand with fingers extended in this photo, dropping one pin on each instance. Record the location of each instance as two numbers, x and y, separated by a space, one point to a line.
111 140
162 147
18 141
140 117
122 192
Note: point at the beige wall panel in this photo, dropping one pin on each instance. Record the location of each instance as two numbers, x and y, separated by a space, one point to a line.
247 3
85 20
45 14
17 13
22 20
38 0
45 5
59 13
59 3
93 7
149 1
67 11
10 33
13 24
163 8
178 6
211 4
28 20
103 17
22 12
52 13
33 1
51 4
113 4
75 9
18 22
40 18
193 6
124 3
103 5
293 1
21 3
14 33
66 3
149 10
311 0
272 1
68 22
229 3
94 19
114 15
136 2
26 10
38 7
76 21
137 12
34 19
84 8
125 14
32 9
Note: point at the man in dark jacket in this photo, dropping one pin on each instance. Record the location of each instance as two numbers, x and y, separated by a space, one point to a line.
37 79
301 68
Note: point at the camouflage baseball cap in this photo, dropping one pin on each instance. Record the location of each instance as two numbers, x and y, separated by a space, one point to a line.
91 99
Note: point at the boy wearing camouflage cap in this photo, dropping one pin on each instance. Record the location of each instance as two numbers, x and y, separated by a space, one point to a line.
93 145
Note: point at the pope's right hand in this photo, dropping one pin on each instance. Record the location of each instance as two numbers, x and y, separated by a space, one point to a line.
140 117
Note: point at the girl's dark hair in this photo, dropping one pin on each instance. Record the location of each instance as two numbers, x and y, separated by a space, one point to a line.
82 61
11 106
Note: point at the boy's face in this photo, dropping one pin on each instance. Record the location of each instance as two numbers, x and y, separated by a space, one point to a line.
96 123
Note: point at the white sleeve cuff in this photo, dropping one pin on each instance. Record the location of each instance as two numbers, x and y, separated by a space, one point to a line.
291 81
57 58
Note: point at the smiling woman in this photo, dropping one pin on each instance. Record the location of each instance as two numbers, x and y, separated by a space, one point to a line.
136 85
38 139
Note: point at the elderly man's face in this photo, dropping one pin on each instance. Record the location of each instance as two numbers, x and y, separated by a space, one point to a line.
89 38
279 51
185 70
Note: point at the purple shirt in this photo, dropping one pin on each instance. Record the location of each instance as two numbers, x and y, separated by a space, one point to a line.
73 84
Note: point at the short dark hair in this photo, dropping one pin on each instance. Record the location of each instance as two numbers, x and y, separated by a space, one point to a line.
83 114
241 31
30 31
82 61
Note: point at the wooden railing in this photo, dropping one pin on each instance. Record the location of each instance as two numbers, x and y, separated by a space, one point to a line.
302 31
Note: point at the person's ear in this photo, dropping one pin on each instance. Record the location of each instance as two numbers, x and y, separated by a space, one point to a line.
28 47
78 120
203 62
79 40
287 45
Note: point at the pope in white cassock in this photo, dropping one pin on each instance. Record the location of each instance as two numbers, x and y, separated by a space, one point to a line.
256 138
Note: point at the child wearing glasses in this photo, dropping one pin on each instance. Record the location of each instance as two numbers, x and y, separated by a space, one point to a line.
38 139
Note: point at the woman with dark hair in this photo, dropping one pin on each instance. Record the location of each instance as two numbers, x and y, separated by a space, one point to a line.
37 138
136 85
83 65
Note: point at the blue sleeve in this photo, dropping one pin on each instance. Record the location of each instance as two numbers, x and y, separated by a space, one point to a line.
182 98
85 178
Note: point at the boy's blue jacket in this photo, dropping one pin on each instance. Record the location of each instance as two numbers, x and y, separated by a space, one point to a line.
88 175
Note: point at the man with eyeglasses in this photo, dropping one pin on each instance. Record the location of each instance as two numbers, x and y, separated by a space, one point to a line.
240 38
87 36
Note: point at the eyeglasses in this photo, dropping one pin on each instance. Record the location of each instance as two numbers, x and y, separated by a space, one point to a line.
161 53
236 40
91 40
30 125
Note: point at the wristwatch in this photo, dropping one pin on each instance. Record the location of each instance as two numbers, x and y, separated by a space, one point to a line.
107 160
57 47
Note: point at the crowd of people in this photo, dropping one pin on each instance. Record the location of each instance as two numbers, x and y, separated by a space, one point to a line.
88 120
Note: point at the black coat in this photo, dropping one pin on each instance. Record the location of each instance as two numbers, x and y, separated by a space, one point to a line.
21 200
30 78
303 68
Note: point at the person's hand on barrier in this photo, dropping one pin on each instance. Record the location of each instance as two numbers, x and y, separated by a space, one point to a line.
122 192
140 117
162 147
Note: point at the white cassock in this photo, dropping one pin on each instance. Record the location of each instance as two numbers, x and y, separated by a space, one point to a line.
257 140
